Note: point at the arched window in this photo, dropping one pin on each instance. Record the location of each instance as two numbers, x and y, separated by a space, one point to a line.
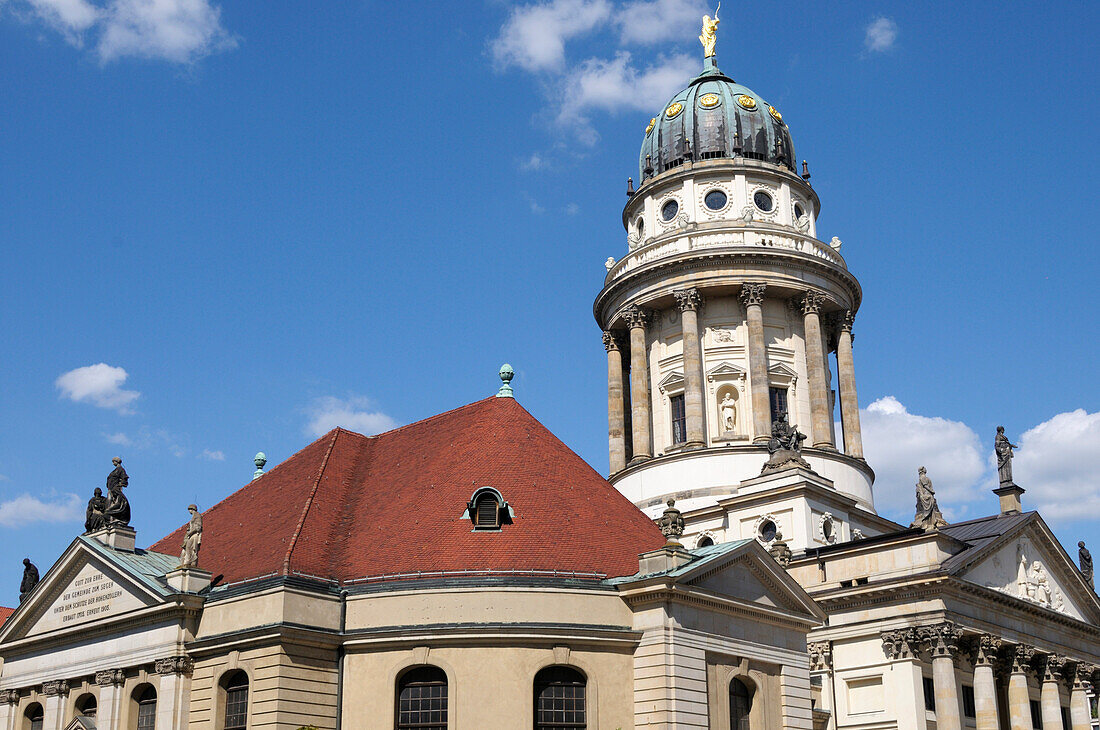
422 699
740 705
487 510
235 687
145 704
560 699
86 705
33 717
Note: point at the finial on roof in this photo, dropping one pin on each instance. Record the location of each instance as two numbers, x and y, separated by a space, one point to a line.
671 523
506 375
260 461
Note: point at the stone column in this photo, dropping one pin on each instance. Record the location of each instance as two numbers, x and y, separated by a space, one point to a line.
752 294
108 714
849 403
628 427
943 643
1079 713
1049 699
174 693
821 665
616 433
1019 707
636 318
901 648
9 709
690 301
57 692
985 686
815 368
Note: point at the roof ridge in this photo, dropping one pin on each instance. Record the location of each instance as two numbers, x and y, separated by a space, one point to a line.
309 501
431 418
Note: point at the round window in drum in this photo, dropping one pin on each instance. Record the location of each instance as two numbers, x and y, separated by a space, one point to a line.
763 201
715 200
669 210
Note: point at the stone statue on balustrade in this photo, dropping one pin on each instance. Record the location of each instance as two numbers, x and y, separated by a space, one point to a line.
117 512
1084 557
192 539
1003 448
785 447
928 515
30 579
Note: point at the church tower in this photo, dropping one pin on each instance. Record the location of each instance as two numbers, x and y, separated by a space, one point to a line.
721 320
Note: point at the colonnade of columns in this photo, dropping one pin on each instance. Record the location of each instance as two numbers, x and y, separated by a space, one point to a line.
173 698
945 643
629 405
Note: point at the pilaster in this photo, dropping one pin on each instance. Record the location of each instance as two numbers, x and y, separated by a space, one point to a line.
109 713
9 709
56 692
174 693
901 647
821 665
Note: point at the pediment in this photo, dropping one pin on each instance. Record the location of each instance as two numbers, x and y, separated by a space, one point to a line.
672 380
738 580
725 370
782 369
1031 566
82 588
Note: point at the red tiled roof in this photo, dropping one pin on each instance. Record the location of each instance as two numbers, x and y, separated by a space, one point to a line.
349 506
5 612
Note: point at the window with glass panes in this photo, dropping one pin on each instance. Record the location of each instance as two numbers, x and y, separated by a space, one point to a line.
236 702
778 398
679 419
147 709
422 699
740 705
36 716
560 699
86 706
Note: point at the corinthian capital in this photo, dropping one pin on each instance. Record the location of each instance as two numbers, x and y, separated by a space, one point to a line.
1021 657
900 644
1052 665
985 650
688 299
752 294
845 320
942 639
821 655
611 341
110 676
811 302
636 316
174 665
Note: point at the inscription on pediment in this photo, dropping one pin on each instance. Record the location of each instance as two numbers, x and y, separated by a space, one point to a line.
90 596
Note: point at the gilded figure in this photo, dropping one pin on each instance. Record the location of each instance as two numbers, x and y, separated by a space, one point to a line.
709 34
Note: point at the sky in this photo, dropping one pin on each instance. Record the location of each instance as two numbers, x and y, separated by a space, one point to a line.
228 227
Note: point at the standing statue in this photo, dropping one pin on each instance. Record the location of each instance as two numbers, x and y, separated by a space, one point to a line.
709 34
30 579
192 538
118 507
1004 448
729 412
95 517
1084 557
928 512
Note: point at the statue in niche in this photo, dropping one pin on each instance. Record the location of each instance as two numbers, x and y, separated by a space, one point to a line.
928 515
30 579
1003 447
95 517
192 539
785 447
118 507
728 407
1084 557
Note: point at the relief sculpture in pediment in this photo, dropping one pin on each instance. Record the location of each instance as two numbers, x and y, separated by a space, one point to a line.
1032 582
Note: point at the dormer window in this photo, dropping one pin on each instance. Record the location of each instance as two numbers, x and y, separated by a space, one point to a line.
487 510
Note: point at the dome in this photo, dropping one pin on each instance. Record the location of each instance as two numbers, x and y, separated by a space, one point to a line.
715 117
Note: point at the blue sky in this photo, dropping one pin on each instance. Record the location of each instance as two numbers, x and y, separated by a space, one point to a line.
266 218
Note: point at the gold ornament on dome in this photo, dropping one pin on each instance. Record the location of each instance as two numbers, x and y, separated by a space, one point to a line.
674 109
776 114
652 124
709 35
709 101
746 101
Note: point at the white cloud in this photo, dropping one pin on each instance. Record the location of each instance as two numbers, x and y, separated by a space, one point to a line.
534 162
653 21
897 442
534 36
880 35
119 438
179 31
209 455
353 413
1055 465
100 385
25 510
572 209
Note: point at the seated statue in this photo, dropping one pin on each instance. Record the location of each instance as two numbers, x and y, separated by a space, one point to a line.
785 446
95 517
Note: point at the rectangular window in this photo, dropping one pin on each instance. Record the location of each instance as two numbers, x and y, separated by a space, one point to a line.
929 694
778 397
147 715
679 420
236 708
968 702
1036 715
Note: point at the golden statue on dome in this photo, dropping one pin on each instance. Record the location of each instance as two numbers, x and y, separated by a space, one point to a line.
710 33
